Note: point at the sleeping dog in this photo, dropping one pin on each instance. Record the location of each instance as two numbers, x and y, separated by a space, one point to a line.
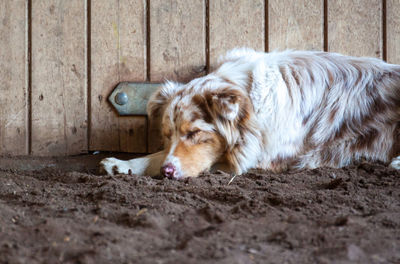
275 111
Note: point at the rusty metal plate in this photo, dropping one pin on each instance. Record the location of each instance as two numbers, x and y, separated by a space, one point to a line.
130 98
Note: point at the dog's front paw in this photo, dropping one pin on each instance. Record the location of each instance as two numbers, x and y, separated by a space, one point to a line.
113 166
395 164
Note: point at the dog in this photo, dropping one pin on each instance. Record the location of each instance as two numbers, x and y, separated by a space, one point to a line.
275 111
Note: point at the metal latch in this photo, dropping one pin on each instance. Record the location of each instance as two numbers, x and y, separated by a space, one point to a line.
130 98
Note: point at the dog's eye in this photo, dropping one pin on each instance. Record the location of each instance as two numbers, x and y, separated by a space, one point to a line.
191 134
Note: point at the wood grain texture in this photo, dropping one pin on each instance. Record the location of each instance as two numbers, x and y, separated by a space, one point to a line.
177 47
59 110
177 35
235 23
295 24
393 31
13 77
118 54
355 27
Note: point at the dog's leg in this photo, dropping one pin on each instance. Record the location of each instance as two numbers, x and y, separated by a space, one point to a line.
149 165
395 164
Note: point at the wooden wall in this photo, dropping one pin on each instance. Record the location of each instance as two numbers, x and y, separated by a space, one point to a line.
59 60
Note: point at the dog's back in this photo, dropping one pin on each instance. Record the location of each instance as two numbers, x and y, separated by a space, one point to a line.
325 109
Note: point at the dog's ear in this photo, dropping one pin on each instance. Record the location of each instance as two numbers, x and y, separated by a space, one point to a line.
161 97
229 104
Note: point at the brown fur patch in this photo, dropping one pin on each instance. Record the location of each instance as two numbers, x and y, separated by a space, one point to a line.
228 81
195 158
295 75
210 106
181 93
200 102
366 140
246 110
330 77
378 106
166 131
342 131
195 116
250 81
185 127
359 75
233 96
332 114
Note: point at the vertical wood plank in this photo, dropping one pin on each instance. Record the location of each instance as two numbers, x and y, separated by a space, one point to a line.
117 54
393 31
296 24
59 119
355 27
235 23
177 46
177 35
13 77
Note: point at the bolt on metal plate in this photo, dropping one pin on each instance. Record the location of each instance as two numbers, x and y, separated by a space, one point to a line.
121 98
130 98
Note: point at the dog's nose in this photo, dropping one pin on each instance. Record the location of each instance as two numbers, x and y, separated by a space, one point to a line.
168 170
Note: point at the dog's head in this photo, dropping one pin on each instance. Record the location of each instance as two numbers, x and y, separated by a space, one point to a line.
200 123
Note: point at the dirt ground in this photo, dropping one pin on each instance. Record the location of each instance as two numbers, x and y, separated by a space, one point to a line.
62 211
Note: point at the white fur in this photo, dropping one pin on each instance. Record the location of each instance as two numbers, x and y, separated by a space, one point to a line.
395 164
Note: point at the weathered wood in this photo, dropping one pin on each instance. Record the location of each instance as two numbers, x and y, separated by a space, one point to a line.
393 31
59 101
132 134
13 77
355 27
118 54
177 35
177 46
295 24
235 23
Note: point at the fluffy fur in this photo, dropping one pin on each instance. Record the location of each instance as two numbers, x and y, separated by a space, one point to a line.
275 111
